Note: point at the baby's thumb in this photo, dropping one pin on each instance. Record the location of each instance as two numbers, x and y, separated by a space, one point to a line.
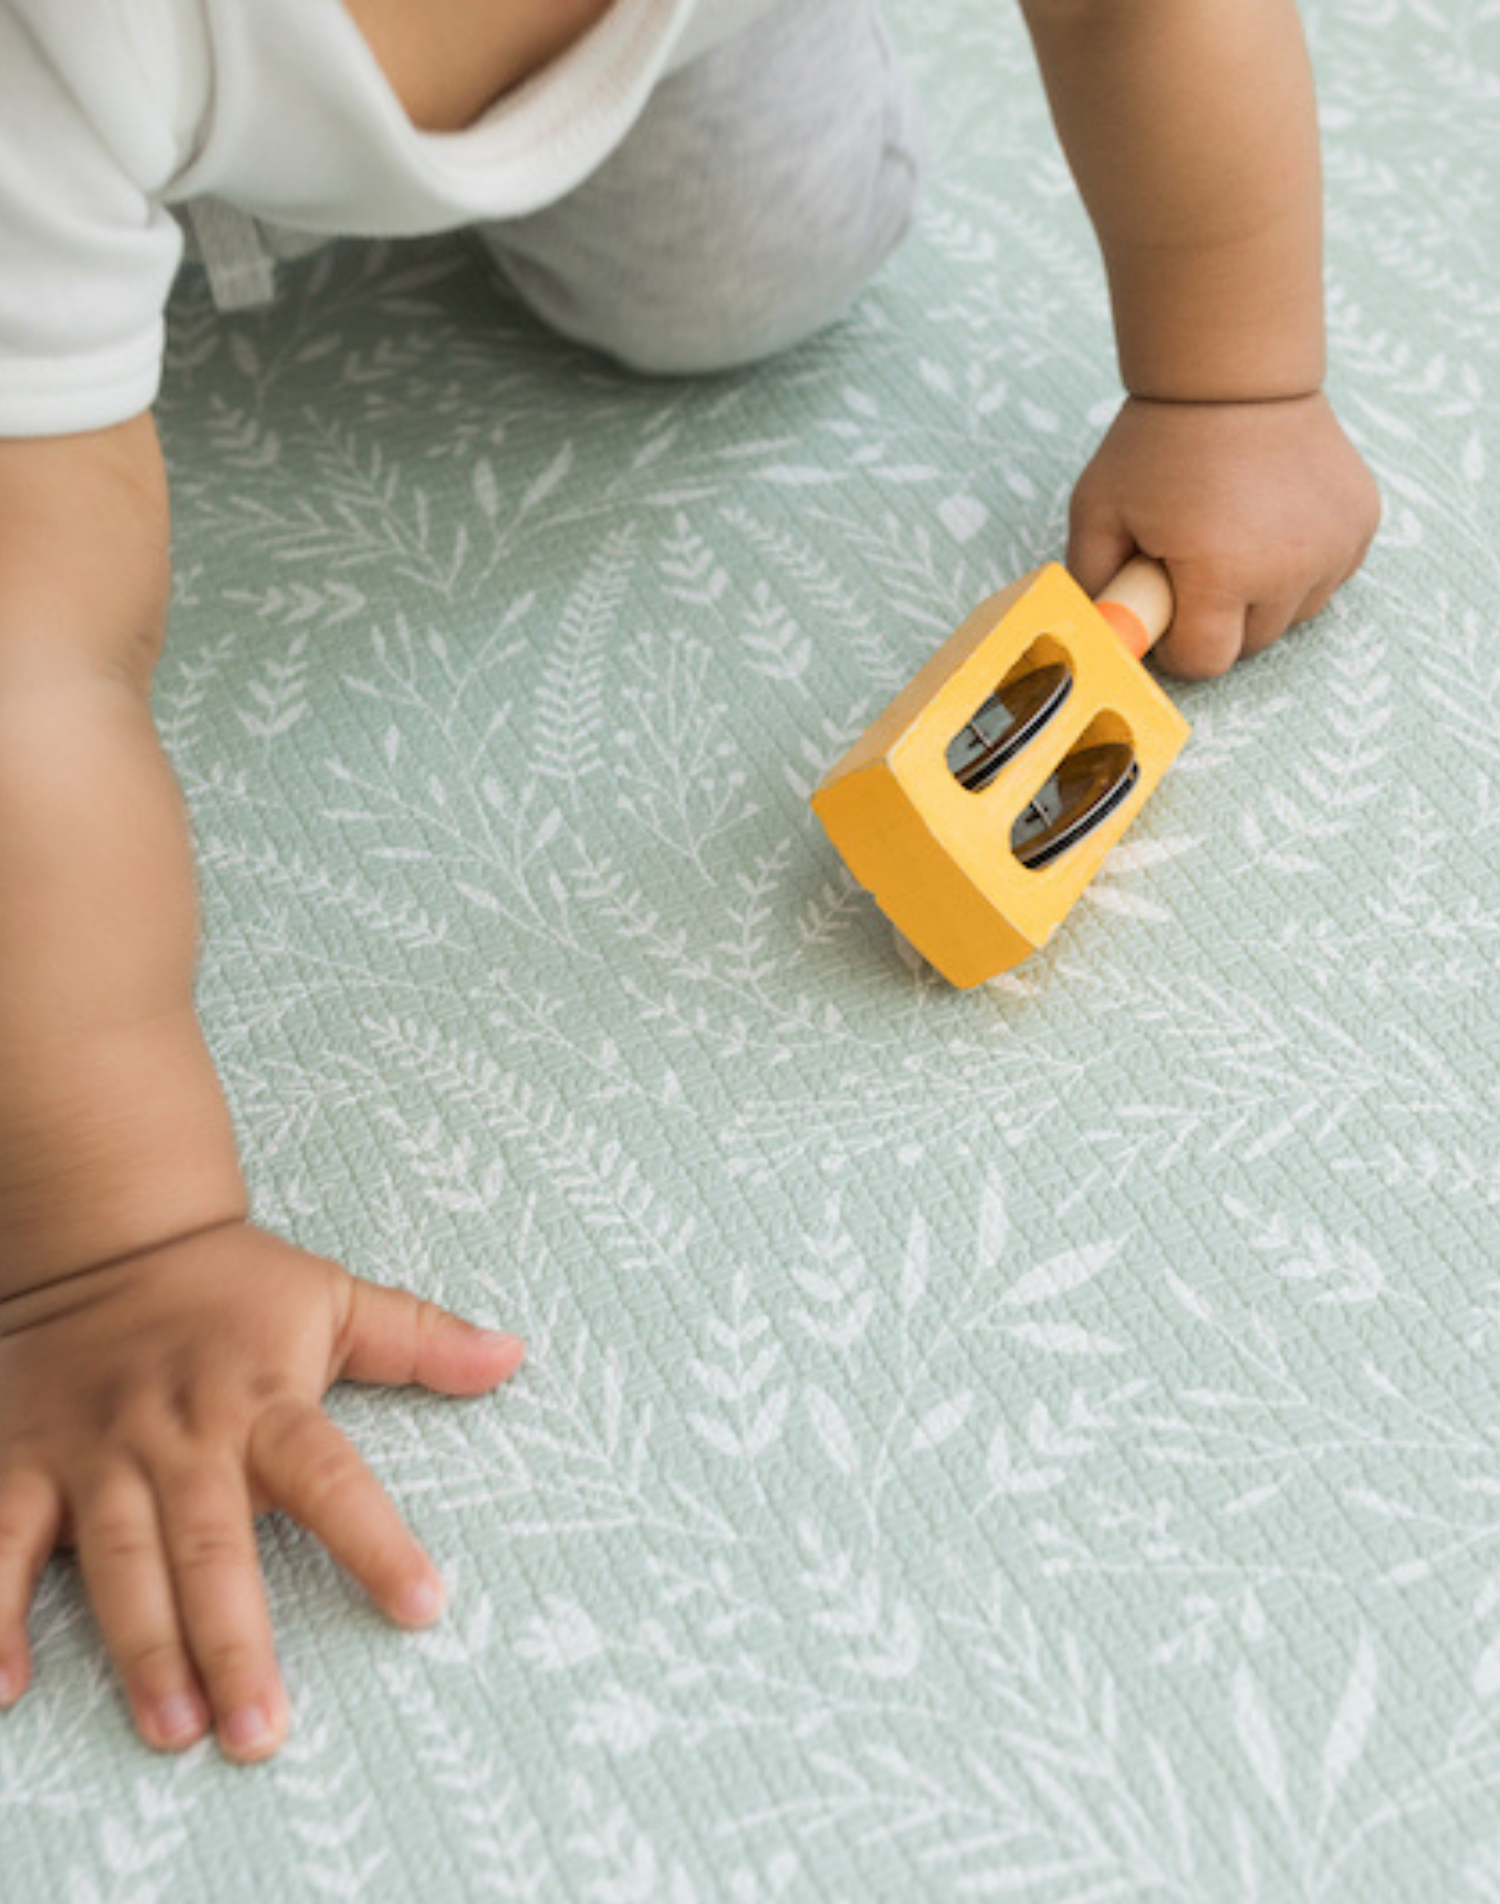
393 1338
1099 546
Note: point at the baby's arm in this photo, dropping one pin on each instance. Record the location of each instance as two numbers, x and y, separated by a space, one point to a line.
113 1132
162 1362
1192 132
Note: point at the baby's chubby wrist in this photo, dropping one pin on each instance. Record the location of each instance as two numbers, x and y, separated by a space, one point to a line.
41 1303
1225 399
112 1147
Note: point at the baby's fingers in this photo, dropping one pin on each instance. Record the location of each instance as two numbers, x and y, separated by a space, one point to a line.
210 1536
305 1465
393 1337
1207 634
30 1520
124 1565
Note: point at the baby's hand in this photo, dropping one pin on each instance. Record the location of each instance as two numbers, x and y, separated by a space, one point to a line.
1261 511
149 1408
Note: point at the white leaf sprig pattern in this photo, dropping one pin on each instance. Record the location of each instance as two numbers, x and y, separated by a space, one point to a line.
1040 1443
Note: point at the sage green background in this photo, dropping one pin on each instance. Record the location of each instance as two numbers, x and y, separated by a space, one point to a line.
1037 1443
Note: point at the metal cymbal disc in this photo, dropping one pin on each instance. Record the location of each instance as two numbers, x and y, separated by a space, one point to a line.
1087 787
1013 715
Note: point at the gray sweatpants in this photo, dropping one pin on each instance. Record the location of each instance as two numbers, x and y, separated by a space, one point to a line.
762 186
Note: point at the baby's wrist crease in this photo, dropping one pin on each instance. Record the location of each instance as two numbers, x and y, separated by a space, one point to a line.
1259 399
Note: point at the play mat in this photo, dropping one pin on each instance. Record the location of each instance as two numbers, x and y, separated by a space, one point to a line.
1041 1442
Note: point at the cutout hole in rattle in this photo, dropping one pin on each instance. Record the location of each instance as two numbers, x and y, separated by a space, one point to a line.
1013 715
1089 784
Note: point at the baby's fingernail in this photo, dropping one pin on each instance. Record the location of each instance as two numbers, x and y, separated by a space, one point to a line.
247 1728
178 1719
498 1338
423 1603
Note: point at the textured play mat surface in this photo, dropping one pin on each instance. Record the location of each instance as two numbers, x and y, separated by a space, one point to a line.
1042 1442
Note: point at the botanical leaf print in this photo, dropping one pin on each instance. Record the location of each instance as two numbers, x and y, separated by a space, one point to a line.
1038 1443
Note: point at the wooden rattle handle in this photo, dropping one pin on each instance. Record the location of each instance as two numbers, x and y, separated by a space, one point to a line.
1138 604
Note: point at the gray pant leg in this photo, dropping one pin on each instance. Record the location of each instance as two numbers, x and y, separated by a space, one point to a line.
758 192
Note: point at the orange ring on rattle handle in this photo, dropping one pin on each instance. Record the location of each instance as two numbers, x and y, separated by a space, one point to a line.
1138 604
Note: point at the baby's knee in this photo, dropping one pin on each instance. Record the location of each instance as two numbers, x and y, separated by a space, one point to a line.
742 284
743 215
765 282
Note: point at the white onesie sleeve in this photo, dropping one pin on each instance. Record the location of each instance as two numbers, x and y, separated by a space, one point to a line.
87 254
112 111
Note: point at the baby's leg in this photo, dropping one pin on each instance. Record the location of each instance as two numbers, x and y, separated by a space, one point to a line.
758 192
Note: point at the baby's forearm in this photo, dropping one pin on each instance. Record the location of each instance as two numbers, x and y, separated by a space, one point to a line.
113 1131
1192 132
114 1134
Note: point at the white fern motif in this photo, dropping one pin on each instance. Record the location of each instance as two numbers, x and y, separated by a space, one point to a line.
1039 1443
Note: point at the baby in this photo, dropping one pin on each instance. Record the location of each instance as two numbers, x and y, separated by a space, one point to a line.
686 185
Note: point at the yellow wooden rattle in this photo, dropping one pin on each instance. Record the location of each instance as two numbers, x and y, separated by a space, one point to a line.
980 804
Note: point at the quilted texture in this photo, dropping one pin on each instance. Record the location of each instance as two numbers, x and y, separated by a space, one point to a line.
1035 1443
